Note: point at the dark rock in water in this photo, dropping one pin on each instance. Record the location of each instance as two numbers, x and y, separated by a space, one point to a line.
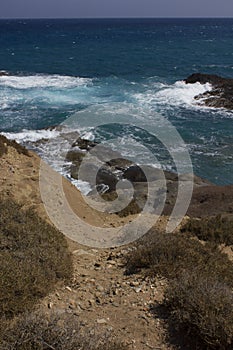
87 171
105 174
107 155
107 177
119 163
221 96
75 155
84 144
135 174
3 73
215 80
145 173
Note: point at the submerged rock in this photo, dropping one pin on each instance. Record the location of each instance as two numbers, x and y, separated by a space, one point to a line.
3 73
221 96
84 144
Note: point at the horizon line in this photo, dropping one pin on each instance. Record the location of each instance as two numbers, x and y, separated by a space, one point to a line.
124 17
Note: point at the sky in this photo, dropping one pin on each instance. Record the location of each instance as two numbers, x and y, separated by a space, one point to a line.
115 8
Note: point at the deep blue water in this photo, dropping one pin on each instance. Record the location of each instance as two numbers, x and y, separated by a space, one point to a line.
59 67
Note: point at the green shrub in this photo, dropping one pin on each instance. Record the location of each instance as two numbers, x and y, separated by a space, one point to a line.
217 229
37 331
33 257
202 307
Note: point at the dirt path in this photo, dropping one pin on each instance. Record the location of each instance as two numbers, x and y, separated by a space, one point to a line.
104 298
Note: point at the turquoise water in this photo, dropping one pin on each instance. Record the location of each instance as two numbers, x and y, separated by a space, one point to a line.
61 67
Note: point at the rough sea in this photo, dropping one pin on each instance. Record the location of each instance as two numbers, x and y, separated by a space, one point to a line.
117 70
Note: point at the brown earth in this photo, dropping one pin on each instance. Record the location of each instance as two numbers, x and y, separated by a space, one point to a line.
100 294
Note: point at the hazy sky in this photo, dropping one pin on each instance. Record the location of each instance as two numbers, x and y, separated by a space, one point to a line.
116 8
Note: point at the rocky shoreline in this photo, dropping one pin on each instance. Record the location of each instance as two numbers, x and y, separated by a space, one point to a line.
109 173
221 95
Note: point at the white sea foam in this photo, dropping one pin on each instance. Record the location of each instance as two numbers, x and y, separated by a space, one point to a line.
83 186
32 135
178 94
53 151
43 81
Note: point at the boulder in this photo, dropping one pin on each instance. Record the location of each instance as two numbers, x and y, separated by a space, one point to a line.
3 73
119 163
106 177
221 96
84 144
147 173
215 80
135 174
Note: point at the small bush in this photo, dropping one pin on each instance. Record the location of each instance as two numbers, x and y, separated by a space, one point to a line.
3 146
216 229
169 255
33 257
4 142
37 331
202 307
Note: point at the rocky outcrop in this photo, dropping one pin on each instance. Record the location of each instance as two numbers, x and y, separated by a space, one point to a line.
109 173
3 73
221 96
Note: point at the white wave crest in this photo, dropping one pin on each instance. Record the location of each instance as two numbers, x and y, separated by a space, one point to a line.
43 81
32 135
178 94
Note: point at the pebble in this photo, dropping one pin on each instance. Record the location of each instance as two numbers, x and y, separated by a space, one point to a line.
100 288
101 321
134 283
72 304
115 304
91 302
111 262
50 305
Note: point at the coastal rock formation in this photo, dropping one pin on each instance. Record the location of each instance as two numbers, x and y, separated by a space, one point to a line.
221 96
3 73
109 173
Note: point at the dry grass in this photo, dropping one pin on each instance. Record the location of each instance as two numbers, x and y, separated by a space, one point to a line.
37 331
169 255
199 295
216 229
4 143
33 258
203 308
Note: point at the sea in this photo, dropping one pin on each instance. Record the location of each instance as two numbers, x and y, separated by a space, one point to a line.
117 79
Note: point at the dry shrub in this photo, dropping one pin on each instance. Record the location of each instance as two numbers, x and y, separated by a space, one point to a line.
216 229
3 146
199 296
33 258
37 331
4 143
169 255
202 307
131 209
